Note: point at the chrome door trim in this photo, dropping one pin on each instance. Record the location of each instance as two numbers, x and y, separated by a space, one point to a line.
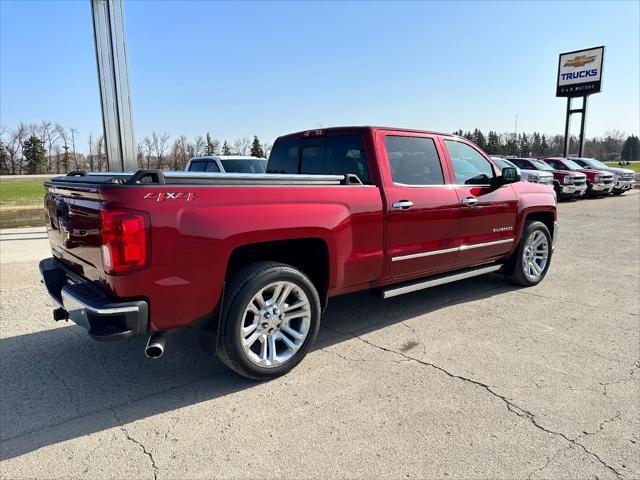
486 244
451 250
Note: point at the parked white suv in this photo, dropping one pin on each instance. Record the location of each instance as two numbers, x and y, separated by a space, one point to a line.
227 163
623 178
533 176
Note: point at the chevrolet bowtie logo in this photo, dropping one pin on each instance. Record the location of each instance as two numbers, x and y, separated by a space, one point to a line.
579 61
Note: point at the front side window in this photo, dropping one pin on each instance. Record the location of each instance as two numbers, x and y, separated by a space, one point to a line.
470 167
413 160
524 164
540 165
556 164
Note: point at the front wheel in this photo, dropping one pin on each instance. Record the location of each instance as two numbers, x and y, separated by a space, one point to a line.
270 319
532 259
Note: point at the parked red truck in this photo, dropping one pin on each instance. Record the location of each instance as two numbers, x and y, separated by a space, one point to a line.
599 182
253 259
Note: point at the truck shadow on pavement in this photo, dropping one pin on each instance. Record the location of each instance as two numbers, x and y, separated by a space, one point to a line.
58 384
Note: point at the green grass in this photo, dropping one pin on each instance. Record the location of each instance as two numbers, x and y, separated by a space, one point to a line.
635 166
21 191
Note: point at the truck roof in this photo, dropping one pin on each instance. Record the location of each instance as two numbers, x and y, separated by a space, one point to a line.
353 129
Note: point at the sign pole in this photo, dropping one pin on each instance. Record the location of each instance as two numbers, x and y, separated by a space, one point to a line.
582 124
113 79
565 150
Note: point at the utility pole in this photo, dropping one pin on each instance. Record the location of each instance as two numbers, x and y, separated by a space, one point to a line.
113 78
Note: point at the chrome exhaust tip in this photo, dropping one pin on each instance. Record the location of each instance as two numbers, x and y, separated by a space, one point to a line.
155 345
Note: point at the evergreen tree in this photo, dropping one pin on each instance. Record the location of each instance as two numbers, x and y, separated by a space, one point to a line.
493 143
226 150
630 150
536 144
256 148
544 146
523 145
468 135
34 155
211 145
459 133
478 138
64 163
4 160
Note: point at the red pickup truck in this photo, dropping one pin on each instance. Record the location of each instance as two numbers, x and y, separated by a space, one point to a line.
253 258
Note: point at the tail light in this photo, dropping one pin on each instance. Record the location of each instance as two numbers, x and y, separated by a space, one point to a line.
125 240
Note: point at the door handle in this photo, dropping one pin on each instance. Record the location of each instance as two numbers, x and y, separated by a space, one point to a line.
469 201
404 204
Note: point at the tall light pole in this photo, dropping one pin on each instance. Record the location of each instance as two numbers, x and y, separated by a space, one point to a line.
113 79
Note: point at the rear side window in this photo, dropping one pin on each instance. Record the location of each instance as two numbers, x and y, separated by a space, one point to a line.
414 160
334 155
203 166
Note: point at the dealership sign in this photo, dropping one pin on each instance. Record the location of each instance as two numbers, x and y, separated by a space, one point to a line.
580 72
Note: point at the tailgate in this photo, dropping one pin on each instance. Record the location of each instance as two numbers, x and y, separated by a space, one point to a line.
73 227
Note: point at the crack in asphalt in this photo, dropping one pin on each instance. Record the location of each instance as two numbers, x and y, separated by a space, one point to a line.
549 460
140 444
511 407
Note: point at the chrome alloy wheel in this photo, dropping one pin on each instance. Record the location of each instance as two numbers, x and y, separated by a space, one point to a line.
535 255
275 324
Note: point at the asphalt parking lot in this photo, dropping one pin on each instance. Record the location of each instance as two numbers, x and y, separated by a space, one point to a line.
478 379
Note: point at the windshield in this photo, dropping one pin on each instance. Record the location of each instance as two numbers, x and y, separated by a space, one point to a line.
504 163
572 165
592 162
540 165
245 166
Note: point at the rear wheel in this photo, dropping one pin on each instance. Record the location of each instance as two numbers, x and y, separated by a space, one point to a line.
532 259
271 317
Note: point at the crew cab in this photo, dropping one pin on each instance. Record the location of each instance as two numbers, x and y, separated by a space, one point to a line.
227 163
566 184
598 182
623 178
527 175
252 259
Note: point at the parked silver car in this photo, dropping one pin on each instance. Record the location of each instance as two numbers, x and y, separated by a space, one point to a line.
227 163
533 176
623 178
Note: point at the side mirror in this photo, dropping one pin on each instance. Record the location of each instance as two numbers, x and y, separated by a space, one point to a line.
509 175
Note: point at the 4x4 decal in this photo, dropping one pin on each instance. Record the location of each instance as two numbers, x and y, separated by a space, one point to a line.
162 196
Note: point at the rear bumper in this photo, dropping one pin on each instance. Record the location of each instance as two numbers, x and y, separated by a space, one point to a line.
105 318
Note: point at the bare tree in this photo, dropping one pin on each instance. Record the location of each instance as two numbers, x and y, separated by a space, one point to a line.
242 145
196 147
90 151
140 154
159 146
100 152
179 152
148 148
14 148
62 135
74 133
266 148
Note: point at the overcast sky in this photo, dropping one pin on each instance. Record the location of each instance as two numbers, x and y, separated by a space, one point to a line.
265 68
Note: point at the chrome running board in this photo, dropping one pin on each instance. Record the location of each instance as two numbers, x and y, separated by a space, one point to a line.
401 289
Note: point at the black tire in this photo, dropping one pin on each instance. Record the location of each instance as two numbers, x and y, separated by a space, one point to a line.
240 290
514 266
619 192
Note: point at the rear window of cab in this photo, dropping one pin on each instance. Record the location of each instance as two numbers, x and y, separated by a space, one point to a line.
333 155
